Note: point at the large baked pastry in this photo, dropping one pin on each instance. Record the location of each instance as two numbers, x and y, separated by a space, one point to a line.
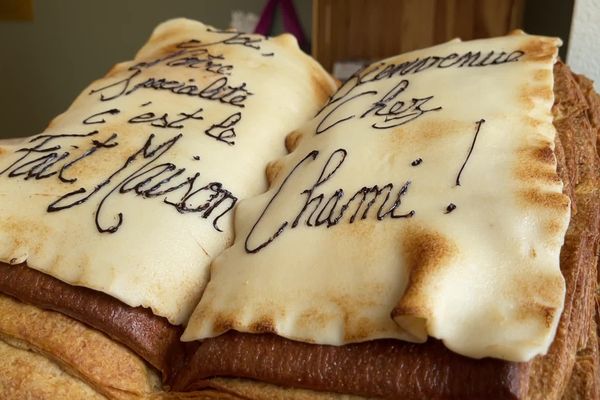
462 264
432 234
112 215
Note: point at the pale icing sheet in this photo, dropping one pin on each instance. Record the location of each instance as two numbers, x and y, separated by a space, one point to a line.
422 200
132 190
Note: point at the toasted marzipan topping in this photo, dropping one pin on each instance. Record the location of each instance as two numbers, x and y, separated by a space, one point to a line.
457 220
140 201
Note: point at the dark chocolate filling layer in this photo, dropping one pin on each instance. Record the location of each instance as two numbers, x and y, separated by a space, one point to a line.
382 368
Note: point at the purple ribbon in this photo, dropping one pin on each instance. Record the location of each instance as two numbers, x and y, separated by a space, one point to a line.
291 23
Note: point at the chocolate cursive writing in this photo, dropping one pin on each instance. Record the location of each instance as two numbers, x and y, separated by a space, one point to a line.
141 174
477 129
224 131
389 110
330 209
190 54
218 90
393 111
164 121
383 71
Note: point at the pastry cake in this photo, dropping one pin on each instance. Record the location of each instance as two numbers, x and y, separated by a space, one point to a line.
432 233
113 214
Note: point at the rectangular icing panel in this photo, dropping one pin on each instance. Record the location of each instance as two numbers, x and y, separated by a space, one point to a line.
131 191
422 200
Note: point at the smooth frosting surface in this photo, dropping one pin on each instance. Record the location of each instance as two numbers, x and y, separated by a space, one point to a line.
131 191
423 199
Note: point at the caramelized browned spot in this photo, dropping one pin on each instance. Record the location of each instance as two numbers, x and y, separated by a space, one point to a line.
223 323
273 169
542 92
321 88
314 317
263 325
545 155
20 231
425 254
536 173
433 129
538 50
533 253
537 165
538 198
544 314
532 122
361 331
542 75
536 298
292 140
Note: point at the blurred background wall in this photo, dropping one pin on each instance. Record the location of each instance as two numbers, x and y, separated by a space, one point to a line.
46 61
584 54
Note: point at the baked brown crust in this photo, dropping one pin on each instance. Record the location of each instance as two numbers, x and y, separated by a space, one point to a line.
250 389
49 356
576 118
584 380
106 366
26 375
151 337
